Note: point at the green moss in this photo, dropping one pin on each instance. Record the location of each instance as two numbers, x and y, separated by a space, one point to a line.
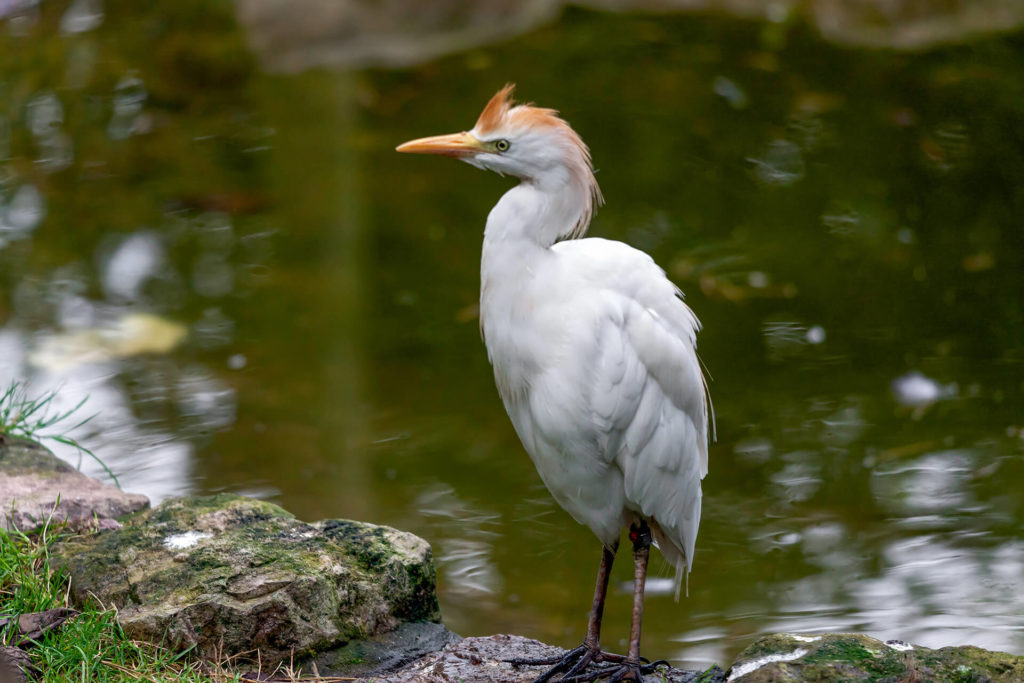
840 649
776 643
188 512
852 657
421 602
366 543
859 651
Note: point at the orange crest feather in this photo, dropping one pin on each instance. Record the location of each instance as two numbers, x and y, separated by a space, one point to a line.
496 109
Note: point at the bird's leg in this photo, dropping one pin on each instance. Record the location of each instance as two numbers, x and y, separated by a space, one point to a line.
592 642
593 639
628 668
577 659
640 534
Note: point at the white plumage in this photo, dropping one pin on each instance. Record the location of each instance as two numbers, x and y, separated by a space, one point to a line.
593 349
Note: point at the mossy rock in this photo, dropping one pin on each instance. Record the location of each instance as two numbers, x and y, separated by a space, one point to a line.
855 658
230 575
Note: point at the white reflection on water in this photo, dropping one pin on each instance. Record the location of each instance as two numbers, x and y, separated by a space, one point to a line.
466 542
25 210
44 115
702 645
936 593
934 483
115 359
755 450
12 353
916 390
214 329
934 590
82 16
799 479
205 400
786 339
129 96
130 264
781 163
145 460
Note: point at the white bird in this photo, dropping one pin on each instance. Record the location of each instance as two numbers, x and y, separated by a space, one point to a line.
594 354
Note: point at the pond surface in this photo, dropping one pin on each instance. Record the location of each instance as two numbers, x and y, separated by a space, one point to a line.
258 295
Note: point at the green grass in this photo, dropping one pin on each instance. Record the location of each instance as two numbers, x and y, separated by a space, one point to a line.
91 646
34 418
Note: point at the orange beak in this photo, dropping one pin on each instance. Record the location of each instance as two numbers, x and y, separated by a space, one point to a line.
454 145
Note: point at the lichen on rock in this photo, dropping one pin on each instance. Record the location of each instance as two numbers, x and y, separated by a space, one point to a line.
784 657
230 574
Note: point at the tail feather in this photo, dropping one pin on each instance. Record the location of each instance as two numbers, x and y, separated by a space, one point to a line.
674 554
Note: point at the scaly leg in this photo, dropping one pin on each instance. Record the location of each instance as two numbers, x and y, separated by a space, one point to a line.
577 659
641 537
630 668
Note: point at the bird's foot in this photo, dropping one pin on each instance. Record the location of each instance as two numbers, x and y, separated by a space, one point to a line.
624 670
575 660
574 664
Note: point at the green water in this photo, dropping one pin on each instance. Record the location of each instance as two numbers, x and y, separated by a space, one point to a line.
838 219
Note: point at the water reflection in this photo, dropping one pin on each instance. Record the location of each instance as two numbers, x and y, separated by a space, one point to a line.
929 485
144 459
780 164
134 260
915 390
25 211
928 587
44 115
82 16
129 96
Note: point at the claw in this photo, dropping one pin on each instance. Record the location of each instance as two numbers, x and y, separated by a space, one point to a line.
570 660
583 665
651 667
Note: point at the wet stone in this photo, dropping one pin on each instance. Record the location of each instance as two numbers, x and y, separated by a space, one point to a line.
15 666
229 575
383 655
32 480
780 658
484 660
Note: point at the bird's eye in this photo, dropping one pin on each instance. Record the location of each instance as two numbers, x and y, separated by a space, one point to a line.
501 145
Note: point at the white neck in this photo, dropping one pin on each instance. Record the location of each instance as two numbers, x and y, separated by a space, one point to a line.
520 230
540 211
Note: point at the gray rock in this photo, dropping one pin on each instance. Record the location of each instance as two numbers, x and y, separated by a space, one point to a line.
484 660
293 35
15 666
783 658
32 479
384 654
229 575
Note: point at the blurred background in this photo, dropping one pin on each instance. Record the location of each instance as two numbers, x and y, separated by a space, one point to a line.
204 229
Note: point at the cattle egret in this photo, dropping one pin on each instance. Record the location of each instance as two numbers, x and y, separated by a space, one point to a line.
594 354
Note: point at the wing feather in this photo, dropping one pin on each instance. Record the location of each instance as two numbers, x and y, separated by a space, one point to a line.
649 396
